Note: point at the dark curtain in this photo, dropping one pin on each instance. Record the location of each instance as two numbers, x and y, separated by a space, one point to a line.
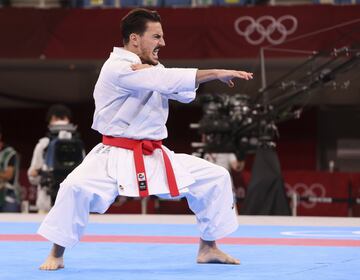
266 192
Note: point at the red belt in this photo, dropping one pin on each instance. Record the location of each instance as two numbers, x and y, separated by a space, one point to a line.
140 148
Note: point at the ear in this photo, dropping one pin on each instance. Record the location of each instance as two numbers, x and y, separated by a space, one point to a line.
134 39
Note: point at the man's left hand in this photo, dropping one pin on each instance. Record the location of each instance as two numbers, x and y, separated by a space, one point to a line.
139 66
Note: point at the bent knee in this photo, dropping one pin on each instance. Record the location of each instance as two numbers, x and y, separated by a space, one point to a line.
69 185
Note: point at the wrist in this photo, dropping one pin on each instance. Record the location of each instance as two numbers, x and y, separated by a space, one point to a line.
217 74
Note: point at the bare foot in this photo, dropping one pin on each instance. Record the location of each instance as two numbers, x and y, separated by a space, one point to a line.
52 263
210 253
55 260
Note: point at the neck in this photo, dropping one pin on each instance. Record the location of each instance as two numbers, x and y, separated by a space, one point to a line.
132 49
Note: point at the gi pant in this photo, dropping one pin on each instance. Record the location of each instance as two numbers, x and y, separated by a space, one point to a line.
89 188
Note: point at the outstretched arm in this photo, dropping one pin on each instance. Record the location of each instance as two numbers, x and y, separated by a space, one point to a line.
203 76
225 76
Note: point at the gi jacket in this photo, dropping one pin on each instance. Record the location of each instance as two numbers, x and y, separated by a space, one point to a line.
134 104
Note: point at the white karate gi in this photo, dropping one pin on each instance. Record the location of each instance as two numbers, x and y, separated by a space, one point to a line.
134 104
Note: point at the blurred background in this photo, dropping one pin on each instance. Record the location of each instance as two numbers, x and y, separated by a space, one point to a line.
302 105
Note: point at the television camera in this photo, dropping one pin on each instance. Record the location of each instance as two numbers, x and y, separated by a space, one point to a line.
64 152
240 125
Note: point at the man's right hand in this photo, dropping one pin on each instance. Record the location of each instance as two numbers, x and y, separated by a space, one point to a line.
33 172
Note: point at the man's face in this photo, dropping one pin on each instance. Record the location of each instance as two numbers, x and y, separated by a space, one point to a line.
150 43
54 120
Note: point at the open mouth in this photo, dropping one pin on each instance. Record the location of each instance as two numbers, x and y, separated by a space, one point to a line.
156 52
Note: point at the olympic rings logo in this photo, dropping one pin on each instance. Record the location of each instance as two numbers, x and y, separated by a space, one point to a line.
273 30
303 190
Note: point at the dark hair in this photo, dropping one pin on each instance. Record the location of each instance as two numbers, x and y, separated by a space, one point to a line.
135 22
58 110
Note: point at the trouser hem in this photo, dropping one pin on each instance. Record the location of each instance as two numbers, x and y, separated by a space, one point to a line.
221 234
55 237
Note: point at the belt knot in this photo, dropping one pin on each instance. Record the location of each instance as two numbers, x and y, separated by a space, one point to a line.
140 148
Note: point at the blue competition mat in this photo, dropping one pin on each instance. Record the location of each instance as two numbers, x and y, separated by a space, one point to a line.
150 261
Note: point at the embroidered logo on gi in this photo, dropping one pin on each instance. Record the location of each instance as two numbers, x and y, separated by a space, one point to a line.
142 181
99 149
141 177
142 185
103 149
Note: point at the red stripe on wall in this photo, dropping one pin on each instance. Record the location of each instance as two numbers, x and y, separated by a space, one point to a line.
215 32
